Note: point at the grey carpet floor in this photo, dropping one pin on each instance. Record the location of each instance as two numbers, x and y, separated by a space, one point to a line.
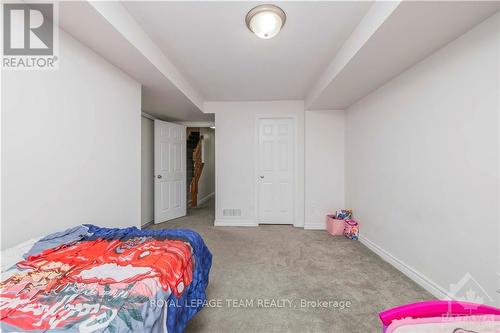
271 264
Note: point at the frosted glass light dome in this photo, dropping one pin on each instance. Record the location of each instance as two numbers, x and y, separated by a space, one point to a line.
265 21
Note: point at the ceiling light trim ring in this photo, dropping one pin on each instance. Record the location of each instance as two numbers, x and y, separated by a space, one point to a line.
265 8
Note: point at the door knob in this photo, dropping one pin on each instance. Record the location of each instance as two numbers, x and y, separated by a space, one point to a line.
159 176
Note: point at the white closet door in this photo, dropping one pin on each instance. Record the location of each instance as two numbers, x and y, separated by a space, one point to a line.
275 171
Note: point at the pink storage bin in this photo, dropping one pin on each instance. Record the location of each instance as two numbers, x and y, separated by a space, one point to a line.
334 226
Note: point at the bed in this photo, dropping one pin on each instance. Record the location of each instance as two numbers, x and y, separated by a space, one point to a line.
93 279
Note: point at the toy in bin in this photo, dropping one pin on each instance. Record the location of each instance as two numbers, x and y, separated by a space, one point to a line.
341 223
343 214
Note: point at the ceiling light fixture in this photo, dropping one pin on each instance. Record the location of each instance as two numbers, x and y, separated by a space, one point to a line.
265 20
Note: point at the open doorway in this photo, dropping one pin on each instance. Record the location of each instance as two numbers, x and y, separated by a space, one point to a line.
200 166
196 161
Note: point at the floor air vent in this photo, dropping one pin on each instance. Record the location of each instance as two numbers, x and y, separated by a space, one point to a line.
231 212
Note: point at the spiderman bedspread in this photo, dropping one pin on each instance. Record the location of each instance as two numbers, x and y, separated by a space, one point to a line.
92 279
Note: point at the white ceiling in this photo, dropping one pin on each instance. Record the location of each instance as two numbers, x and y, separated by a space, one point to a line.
329 53
211 45
414 30
160 97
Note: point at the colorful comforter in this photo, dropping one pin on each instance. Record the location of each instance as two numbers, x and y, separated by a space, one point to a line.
92 279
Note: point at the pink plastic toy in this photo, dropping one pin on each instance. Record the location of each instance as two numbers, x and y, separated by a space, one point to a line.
432 309
351 230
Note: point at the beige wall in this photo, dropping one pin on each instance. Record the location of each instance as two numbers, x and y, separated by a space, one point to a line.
147 171
422 165
324 165
71 145
235 156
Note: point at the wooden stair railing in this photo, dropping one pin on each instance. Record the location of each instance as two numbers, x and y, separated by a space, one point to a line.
197 169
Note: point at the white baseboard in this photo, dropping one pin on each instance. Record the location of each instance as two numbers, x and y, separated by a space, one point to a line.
206 198
235 223
314 226
407 270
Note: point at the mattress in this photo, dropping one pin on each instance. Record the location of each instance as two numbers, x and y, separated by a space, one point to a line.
13 255
93 279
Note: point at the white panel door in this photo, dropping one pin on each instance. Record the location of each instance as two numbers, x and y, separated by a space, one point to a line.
275 171
170 171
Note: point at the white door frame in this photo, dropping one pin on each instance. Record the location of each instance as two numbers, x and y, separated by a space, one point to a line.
293 118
